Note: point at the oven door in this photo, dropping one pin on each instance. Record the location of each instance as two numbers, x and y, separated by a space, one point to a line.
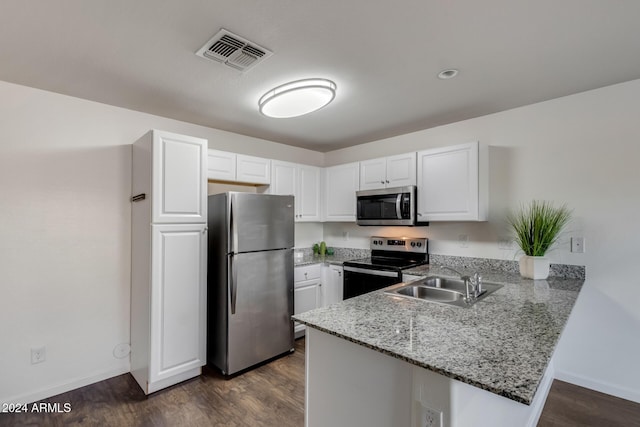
358 281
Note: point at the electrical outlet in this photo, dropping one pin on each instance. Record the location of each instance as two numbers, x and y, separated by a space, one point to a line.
345 235
38 355
463 240
505 243
577 245
427 417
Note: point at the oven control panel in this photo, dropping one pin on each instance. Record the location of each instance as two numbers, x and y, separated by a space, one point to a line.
400 244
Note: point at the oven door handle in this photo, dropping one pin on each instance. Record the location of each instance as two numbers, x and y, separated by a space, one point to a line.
372 272
398 205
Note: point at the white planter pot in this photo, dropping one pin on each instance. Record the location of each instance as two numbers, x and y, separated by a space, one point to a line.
534 267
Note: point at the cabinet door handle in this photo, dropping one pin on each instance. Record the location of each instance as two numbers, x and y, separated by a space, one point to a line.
305 275
387 181
381 182
339 273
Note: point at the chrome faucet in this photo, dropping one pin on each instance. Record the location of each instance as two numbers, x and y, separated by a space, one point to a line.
472 284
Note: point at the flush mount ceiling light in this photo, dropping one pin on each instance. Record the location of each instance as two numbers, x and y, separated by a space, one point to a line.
297 98
447 74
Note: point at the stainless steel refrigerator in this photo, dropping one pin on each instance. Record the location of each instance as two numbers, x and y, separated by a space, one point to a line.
250 279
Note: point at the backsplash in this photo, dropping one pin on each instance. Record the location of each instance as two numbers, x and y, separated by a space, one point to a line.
348 253
564 271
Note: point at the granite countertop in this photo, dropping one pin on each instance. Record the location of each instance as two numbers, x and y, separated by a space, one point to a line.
501 344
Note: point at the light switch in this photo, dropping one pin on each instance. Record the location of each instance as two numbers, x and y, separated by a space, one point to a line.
577 245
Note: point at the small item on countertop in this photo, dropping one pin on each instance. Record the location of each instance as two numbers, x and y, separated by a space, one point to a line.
316 249
330 251
323 248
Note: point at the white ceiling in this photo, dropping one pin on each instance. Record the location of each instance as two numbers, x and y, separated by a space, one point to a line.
384 56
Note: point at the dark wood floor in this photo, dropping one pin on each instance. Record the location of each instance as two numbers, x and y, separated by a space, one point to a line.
569 405
271 395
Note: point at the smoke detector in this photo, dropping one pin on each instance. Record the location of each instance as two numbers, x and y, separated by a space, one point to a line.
233 51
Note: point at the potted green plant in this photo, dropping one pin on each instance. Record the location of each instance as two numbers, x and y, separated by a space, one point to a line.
537 227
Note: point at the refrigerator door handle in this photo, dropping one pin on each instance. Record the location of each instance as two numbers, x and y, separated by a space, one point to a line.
233 284
232 226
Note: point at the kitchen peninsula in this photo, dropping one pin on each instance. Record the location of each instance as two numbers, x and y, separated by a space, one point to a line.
380 360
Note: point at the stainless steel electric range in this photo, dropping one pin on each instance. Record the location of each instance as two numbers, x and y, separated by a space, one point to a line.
389 256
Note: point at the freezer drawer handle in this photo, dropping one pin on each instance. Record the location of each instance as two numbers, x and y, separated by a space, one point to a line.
139 197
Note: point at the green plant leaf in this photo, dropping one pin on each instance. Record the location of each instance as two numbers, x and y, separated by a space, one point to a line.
537 226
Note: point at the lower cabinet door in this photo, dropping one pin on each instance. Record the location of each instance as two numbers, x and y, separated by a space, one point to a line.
334 290
178 300
305 297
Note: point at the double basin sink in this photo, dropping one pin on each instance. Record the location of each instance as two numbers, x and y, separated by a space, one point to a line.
441 290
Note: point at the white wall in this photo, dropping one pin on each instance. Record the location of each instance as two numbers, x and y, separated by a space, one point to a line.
308 233
583 150
65 179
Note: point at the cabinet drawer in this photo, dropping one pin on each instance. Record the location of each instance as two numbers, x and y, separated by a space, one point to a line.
306 272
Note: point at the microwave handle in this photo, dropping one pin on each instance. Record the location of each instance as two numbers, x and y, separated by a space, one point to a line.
398 204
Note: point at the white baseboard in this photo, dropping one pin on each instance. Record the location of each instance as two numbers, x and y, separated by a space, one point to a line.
602 387
47 392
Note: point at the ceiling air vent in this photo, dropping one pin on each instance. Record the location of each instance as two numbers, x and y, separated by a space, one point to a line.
233 51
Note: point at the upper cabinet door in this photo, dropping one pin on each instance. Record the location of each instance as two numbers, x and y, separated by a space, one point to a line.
301 181
253 170
221 165
179 179
393 171
341 183
452 184
283 178
373 174
308 194
401 170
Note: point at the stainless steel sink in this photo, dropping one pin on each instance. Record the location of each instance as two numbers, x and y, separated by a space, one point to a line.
441 290
445 283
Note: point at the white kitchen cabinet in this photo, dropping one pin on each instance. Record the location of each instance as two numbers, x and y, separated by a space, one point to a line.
309 193
284 178
373 174
168 265
255 170
178 301
170 171
306 292
453 183
332 284
221 165
232 167
303 182
340 185
387 172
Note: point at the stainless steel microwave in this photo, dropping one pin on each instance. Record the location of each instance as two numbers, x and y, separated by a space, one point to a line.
387 206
